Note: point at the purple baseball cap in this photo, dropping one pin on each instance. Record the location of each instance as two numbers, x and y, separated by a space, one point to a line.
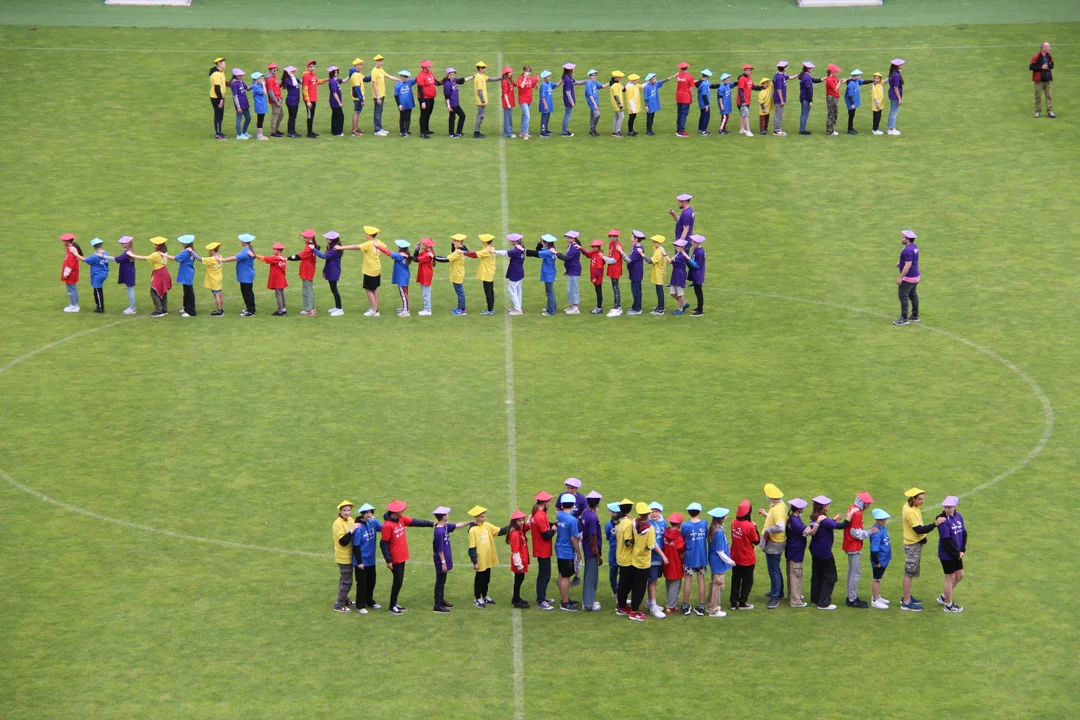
290 68
237 72
951 501
331 235
697 238
685 197
898 61
593 495
569 66
680 243
782 64
515 237
809 65
451 69
571 234
572 482
441 510
638 234
821 499
332 68
125 240
798 503
909 234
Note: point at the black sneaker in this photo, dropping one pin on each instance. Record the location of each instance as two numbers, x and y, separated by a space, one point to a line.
568 607
632 133
397 610
650 133
860 604
852 132
901 321
915 319
773 603
697 313
478 602
276 313
295 135
568 134
479 136
805 132
686 610
217 313
700 611
442 610
312 135
277 134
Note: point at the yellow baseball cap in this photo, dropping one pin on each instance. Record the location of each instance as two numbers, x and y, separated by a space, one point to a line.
159 240
343 503
642 508
877 75
217 60
459 237
371 230
617 74
478 509
357 61
633 76
213 246
772 492
486 238
626 501
658 239
912 492
378 57
481 64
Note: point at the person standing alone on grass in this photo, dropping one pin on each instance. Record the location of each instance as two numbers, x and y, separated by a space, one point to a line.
908 282
914 539
1042 74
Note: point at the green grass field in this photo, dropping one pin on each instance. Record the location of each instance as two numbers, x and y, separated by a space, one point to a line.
142 459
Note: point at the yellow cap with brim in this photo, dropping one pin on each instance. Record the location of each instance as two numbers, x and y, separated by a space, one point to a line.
912 492
642 508
477 510
371 230
378 57
159 240
772 492
459 237
213 246
486 238
343 503
658 239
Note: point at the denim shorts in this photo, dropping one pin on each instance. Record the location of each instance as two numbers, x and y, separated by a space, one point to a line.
215 292
655 571
744 111
357 105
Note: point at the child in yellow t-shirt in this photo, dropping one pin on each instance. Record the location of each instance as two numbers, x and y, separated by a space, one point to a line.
482 553
765 105
659 262
456 258
877 101
213 263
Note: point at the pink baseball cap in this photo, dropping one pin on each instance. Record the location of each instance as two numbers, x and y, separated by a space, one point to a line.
572 234
809 64
126 240
290 68
909 234
594 495
680 243
441 510
685 197
638 234
332 68
331 235
697 238
865 497
822 500
309 234
950 501
569 66
515 237
237 72
573 482
277 246
899 61
798 503
614 232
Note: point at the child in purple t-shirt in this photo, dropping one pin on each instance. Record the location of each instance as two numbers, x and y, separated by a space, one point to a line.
443 556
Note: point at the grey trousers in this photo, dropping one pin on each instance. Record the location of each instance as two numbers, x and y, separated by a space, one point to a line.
425 293
344 585
617 121
854 573
590 579
307 288
594 117
778 118
279 296
479 117
673 589
572 294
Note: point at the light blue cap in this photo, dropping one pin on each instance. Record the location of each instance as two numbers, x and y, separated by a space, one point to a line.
256 75
96 241
545 74
707 72
401 243
567 498
725 76
656 506
366 508
592 71
613 506
649 77
548 238
880 514
186 239
694 506
245 238
719 512
406 73
856 71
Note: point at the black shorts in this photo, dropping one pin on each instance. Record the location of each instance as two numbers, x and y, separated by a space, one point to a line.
951 566
372 282
566 568
879 572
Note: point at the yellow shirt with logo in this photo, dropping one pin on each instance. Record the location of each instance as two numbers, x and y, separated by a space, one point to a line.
378 82
480 88
659 266
633 98
486 271
777 516
912 518
457 266
482 537
618 97
372 257
643 547
157 261
624 531
357 78
213 273
342 553
217 80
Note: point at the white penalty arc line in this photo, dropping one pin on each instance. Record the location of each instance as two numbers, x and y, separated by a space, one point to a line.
511 437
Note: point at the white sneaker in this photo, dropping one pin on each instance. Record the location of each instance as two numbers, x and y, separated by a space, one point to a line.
834 133
375 314
381 133
718 613
614 312
337 312
402 314
184 314
369 312
828 607
884 600
128 311
879 605
67 308
424 313
894 132
876 132
572 311
596 607
72 308
657 613
362 611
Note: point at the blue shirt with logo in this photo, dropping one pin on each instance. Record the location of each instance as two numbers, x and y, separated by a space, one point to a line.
566 531
696 536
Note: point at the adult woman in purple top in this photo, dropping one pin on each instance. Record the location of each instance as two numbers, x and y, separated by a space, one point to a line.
823 564
126 272
952 544
795 551
806 95
569 98
635 269
684 221
337 114
331 271
908 282
450 84
779 84
240 103
292 97
896 93
697 273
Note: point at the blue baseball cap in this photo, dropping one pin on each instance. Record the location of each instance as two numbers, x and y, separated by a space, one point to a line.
880 514
245 238
649 77
656 506
613 506
402 243
186 239
719 512
548 238
567 499
693 506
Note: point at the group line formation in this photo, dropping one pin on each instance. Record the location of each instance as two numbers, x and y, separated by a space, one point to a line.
629 96
643 546
687 262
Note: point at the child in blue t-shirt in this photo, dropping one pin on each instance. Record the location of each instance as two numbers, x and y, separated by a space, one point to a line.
695 532
99 272
609 535
719 561
567 549
365 541
880 555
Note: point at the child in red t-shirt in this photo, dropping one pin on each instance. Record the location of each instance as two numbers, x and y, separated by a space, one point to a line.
744 537
70 272
518 541
276 281
597 261
674 547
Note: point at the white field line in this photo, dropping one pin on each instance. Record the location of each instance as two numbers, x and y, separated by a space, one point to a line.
714 51
511 437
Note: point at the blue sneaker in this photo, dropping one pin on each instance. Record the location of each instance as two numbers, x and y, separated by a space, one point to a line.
915 600
458 311
910 606
487 312
680 311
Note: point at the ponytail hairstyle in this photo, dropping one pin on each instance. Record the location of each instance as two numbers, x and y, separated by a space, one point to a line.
77 248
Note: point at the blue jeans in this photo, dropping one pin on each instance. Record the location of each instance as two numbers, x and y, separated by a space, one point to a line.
589 580
660 298
460 290
703 120
566 120
613 577
131 296
73 294
635 290
683 113
573 297
508 122
894 108
378 114
545 118
526 116
776 577
804 115
549 290
244 115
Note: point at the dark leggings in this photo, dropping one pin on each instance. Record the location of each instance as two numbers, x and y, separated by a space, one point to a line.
626 584
440 587
599 295
635 292
398 570
337 121
648 121
742 581
292 118
822 581
877 119
372 578
425 116
613 577
630 122
489 295
851 119
456 112
909 291
660 298
249 296
219 115
518 579
189 299
361 585
480 583
337 295
404 120
311 118
99 298
616 292
641 584
259 120
543 577
700 297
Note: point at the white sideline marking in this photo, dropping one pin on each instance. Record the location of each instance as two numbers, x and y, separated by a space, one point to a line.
511 434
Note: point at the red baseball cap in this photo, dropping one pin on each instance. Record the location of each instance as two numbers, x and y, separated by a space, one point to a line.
865 497
596 243
397 506
425 63
309 233
312 62
833 68
748 67
543 496
744 507
427 242
67 236
507 69
683 66
614 232
272 66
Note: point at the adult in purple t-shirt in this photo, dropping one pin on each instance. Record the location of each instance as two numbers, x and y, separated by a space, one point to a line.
684 220
568 96
908 282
